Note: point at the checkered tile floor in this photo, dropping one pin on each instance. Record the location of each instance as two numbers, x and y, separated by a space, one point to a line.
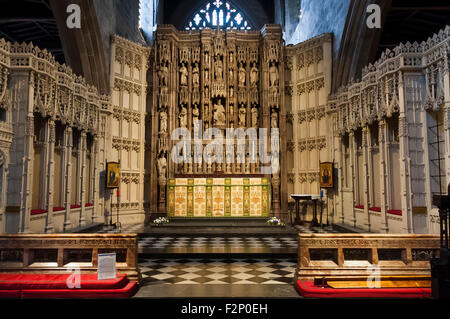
217 242
218 271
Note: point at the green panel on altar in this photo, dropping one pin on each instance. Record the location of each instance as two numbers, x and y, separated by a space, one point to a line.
218 197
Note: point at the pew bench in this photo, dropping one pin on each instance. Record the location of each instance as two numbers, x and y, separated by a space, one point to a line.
39 265
365 265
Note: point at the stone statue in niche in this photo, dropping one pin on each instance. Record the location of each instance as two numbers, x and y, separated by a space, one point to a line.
242 116
231 75
219 69
231 58
163 74
254 117
161 165
195 75
183 116
162 122
206 59
183 75
241 75
231 114
195 116
219 114
206 76
274 120
254 75
231 92
273 75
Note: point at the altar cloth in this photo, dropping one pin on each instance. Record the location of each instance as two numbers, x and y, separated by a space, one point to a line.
218 197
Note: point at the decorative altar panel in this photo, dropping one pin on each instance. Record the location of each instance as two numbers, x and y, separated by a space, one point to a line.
218 197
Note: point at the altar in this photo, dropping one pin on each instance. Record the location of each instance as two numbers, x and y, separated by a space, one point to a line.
218 197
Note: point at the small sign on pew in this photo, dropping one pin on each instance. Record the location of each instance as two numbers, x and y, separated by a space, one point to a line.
106 266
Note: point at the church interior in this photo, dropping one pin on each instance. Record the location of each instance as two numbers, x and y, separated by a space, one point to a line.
224 148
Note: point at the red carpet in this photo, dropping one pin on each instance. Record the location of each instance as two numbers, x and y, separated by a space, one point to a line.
126 292
55 286
308 289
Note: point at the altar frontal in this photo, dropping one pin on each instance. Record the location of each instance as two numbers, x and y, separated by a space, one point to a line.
218 197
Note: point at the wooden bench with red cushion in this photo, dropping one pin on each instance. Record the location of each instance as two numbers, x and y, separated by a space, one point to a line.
55 286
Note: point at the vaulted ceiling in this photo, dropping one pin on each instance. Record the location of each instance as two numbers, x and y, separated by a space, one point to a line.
31 21
412 20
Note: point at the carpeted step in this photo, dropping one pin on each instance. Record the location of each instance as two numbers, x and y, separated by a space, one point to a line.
58 281
126 292
9 294
308 289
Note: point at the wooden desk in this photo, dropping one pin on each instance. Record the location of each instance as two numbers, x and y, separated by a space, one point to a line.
303 197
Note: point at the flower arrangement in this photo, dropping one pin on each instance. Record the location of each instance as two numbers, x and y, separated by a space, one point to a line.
160 221
275 221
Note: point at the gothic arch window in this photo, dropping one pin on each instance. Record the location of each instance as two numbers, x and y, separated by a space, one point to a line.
218 13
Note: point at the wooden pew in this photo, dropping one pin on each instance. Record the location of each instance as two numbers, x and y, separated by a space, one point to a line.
57 253
348 260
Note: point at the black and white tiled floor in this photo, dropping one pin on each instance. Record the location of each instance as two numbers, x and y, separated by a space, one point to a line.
218 271
217 242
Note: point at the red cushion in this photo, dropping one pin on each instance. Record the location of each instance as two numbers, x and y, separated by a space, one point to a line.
75 206
9 293
57 209
58 281
375 209
38 211
395 212
88 205
126 292
359 206
308 289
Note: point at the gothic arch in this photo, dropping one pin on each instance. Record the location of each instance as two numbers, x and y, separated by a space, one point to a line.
252 9
83 47
359 44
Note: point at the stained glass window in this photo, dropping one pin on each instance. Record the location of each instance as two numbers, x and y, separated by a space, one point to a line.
218 14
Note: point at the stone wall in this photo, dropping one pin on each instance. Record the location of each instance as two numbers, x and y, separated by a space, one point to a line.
318 17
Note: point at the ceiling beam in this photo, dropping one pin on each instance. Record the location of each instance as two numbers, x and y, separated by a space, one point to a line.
419 8
25 19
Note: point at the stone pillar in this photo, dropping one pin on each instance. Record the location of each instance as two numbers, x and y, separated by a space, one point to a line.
50 150
383 201
366 169
4 162
96 214
27 171
352 142
82 185
341 156
68 143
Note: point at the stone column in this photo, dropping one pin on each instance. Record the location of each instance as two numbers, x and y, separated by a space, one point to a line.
68 143
340 156
383 201
82 179
352 142
50 149
27 171
366 154
96 214
4 163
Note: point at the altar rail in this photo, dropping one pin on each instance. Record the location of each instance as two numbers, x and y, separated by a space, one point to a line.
57 253
354 256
